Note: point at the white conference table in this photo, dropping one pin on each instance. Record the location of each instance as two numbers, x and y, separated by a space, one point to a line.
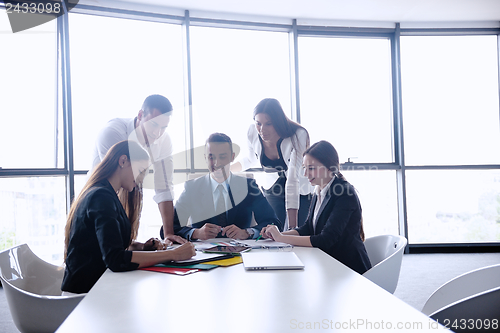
325 296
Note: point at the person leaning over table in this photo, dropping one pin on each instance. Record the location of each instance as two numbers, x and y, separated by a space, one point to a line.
149 130
221 204
103 222
277 143
334 223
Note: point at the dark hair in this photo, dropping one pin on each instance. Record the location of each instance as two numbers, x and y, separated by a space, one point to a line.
327 155
158 102
284 126
324 152
131 201
220 137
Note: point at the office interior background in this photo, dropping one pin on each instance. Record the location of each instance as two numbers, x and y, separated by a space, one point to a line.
407 91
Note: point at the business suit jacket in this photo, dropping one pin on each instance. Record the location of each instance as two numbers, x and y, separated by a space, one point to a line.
98 239
196 204
338 227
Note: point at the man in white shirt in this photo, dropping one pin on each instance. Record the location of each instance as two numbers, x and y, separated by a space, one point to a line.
148 129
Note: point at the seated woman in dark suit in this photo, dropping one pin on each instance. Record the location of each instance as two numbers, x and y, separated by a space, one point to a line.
103 222
334 223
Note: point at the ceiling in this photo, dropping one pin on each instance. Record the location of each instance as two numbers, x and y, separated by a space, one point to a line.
340 10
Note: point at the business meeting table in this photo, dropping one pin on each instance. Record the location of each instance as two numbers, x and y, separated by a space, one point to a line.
324 296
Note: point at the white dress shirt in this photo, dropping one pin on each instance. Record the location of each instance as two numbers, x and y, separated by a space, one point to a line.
216 193
296 183
321 193
120 129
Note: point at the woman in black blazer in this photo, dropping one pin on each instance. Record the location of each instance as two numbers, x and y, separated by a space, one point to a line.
334 223
103 222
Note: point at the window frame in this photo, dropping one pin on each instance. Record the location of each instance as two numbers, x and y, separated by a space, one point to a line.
294 30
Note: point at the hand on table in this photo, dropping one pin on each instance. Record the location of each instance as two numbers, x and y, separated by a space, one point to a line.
154 244
208 231
169 239
234 232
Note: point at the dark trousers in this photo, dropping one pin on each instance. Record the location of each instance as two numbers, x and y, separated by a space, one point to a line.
277 200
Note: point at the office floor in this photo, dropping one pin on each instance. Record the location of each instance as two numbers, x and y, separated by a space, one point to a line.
421 275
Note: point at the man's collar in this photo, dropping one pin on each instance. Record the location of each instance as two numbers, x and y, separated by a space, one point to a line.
215 183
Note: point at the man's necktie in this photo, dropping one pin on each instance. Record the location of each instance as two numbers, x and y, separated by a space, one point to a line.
221 207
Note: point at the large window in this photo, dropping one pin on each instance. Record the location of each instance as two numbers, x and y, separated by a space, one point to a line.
346 94
450 113
28 102
377 192
115 65
345 98
450 100
451 118
232 71
453 206
34 212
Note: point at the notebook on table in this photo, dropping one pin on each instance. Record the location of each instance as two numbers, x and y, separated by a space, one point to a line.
200 257
253 261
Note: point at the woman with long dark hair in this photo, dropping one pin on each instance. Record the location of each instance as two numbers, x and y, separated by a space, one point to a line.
103 222
334 223
277 143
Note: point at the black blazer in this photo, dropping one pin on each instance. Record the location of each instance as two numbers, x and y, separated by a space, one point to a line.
98 239
338 226
196 203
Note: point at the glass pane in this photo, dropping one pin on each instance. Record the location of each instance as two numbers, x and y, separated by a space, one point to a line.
377 192
232 70
453 206
116 64
150 218
345 95
34 212
27 85
450 100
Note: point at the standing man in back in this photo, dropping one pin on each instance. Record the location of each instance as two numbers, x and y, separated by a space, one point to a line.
148 129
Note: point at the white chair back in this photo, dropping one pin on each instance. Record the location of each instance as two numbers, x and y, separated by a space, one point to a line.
478 311
386 255
463 286
33 291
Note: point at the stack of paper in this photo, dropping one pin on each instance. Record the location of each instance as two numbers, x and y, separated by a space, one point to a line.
201 261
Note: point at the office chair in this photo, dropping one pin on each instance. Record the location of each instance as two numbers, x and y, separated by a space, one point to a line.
477 313
33 291
474 291
386 255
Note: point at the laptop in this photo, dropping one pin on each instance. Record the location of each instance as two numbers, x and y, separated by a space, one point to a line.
253 261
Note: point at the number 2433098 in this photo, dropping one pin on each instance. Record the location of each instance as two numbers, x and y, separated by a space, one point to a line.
38 8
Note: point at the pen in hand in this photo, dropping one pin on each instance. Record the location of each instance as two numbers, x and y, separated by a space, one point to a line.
260 236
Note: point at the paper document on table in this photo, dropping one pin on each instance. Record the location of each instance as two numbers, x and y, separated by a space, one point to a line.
203 245
201 257
263 244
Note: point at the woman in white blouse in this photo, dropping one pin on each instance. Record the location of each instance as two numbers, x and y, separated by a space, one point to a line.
277 143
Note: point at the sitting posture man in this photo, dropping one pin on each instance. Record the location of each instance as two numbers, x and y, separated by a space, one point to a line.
221 204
